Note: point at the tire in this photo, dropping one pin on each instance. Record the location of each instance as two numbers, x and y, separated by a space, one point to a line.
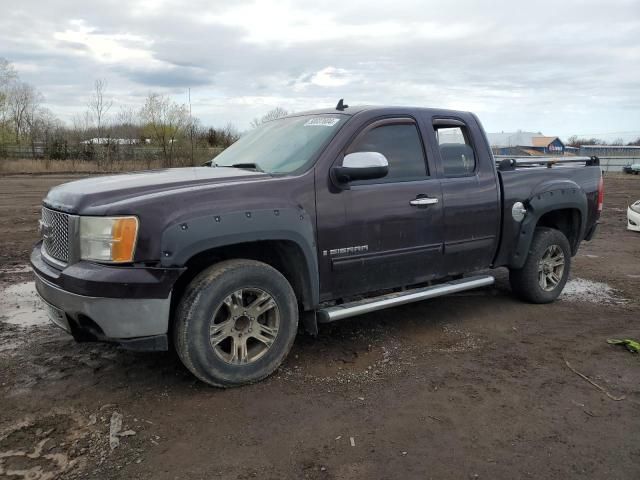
222 337
526 283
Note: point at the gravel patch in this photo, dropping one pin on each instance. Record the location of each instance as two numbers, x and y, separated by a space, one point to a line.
581 290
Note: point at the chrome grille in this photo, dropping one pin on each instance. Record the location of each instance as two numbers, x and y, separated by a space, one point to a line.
54 227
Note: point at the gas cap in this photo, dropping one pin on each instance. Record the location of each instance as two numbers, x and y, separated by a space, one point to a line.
518 211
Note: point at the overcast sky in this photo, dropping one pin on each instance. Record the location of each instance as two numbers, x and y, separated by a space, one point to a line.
562 66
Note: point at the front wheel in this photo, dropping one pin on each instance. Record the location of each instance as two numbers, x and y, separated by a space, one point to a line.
546 269
236 323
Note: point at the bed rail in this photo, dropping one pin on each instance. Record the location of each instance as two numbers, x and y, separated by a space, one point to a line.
508 162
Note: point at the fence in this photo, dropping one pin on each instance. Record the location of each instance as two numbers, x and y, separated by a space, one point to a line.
89 151
615 164
68 157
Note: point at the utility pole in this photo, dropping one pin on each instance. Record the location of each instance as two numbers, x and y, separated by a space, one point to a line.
190 125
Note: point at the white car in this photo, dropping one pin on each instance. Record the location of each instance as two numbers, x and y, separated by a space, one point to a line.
635 168
633 216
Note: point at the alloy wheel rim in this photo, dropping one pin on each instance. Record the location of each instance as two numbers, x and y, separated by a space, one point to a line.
551 268
244 326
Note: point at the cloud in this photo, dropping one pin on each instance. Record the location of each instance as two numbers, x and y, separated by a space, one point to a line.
168 77
560 67
115 48
325 78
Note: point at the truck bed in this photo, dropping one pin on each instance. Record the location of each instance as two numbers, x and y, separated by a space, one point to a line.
531 178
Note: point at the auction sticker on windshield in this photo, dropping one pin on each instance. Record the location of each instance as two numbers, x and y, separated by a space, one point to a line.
321 122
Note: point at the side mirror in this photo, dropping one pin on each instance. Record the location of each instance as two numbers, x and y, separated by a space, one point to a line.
361 166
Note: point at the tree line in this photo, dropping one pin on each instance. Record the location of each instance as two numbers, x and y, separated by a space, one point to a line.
161 126
577 141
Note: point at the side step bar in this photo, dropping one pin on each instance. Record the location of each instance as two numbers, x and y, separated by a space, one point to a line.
359 307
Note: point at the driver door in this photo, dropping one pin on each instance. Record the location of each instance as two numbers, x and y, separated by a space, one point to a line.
384 232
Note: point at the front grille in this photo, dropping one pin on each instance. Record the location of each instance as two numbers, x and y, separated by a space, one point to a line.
55 234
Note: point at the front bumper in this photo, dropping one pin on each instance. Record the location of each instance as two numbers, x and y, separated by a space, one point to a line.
633 220
127 305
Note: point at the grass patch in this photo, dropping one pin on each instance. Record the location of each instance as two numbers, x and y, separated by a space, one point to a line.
15 166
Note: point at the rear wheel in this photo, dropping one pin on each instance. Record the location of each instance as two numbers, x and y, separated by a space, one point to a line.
236 323
546 269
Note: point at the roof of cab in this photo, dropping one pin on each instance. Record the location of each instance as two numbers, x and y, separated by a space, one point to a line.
382 109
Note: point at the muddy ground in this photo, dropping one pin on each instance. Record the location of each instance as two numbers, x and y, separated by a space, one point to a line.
469 386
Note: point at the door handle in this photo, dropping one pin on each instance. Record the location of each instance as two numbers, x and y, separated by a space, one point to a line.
423 201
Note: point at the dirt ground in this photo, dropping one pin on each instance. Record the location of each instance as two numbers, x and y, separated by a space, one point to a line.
469 386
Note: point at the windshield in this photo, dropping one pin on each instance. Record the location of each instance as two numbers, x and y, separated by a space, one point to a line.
283 145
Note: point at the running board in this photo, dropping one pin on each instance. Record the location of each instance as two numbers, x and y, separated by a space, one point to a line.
359 307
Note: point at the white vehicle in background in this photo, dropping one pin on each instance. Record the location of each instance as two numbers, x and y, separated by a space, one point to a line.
633 216
634 169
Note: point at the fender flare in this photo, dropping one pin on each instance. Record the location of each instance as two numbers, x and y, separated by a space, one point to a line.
187 238
545 198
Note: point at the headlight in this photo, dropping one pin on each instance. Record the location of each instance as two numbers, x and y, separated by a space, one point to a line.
108 239
635 207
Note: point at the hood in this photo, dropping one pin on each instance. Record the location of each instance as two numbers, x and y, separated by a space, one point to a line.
73 196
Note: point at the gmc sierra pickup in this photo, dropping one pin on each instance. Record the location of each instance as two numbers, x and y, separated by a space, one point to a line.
314 217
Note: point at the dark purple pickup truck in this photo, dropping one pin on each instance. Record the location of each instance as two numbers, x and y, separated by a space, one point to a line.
313 217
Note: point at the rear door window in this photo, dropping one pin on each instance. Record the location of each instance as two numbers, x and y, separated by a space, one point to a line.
456 151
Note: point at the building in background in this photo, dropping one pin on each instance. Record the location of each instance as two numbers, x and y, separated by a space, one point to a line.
525 144
113 141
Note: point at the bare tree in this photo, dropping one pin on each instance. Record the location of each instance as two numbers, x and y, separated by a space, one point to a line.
125 126
166 122
43 126
8 75
7 72
33 119
272 114
126 115
23 98
127 123
99 106
79 133
81 125
230 134
576 141
195 132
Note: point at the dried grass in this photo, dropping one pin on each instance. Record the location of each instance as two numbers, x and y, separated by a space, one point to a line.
16 166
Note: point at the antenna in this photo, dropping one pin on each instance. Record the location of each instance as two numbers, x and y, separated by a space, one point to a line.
341 106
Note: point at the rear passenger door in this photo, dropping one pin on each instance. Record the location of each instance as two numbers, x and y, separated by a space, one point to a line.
471 215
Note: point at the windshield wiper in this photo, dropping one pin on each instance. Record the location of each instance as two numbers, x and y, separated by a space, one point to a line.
248 166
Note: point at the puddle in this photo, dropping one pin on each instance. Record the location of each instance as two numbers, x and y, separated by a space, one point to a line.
581 290
20 305
47 447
